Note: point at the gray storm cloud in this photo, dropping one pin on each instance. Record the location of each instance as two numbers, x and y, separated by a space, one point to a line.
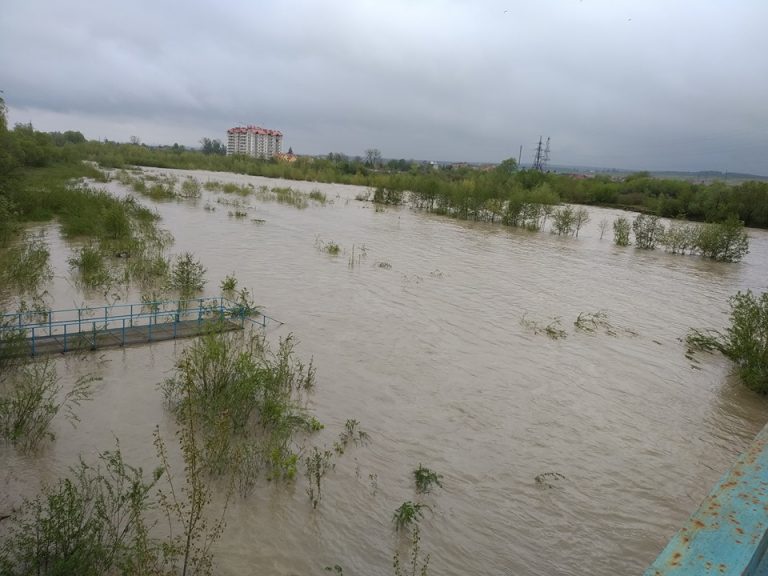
659 85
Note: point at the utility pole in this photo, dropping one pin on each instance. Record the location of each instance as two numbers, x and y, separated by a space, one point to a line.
541 157
520 156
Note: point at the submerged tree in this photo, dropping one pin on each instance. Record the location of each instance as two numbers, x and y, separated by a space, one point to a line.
745 341
621 231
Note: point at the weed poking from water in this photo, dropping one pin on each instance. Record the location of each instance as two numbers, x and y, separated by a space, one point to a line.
426 479
91 266
553 330
351 434
317 464
331 247
188 505
318 196
229 284
546 479
408 514
416 566
190 188
591 322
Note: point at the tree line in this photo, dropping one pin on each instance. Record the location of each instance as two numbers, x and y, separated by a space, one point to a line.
504 192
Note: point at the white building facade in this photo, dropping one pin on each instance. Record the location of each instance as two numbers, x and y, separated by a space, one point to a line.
254 141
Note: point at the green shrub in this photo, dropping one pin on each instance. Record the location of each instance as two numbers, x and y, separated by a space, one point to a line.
187 274
408 513
648 231
726 241
92 523
621 229
31 398
425 479
91 265
247 400
745 341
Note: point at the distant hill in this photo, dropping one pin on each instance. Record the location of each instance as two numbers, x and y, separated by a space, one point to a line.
700 176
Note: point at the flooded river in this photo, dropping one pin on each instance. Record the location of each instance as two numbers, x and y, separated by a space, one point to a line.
419 337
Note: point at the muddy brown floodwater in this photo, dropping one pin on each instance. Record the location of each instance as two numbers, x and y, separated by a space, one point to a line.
430 355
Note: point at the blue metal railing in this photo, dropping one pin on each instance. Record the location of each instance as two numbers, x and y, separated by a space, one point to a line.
91 321
728 534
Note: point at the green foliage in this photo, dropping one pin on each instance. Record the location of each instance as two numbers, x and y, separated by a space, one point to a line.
648 231
416 566
580 218
621 231
745 342
331 247
213 146
247 402
92 523
229 284
317 464
91 266
552 330
426 479
563 221
591 322
8 220
726 241
187 274
31 397
190 188
681 238
187 506
351 434
25 266
318 196
408 513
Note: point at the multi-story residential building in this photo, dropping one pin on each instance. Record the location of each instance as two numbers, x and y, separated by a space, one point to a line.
254 141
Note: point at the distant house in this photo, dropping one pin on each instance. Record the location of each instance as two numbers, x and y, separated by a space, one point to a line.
254 141
289 157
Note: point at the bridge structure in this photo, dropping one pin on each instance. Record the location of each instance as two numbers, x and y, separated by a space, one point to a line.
33 333
728 534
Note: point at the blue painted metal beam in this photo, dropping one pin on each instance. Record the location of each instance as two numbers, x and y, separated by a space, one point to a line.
726 536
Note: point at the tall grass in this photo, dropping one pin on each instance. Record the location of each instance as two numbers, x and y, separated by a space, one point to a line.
25 266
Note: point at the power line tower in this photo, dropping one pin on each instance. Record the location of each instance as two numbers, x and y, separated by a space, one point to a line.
541 157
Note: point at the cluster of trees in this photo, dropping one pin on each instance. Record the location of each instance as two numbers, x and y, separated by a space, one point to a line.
725 241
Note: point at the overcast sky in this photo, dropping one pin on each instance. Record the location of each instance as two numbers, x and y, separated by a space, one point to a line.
643 84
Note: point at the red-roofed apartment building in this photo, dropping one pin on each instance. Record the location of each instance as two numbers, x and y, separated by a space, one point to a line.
254 141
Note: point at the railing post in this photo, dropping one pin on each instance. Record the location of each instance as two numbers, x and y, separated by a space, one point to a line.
33 341
50 322
65 337
149 330
79 326
93 327
123 344
131 315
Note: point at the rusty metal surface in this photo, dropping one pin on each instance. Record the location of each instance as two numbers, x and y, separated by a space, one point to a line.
727 534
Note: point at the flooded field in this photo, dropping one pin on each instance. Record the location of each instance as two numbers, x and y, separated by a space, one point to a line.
422 329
